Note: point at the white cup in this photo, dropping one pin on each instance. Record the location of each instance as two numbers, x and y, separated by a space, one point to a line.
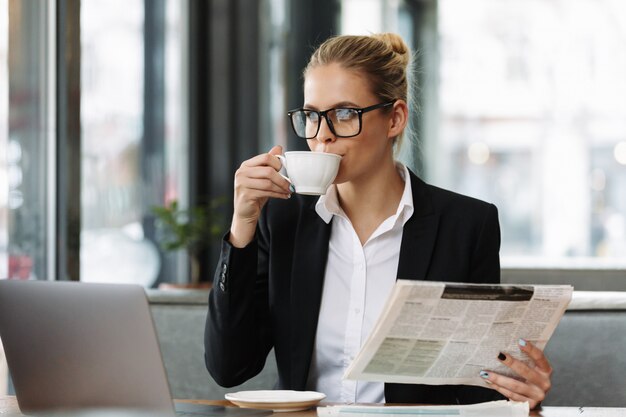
310 172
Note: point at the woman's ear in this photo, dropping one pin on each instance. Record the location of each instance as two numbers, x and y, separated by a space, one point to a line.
399 118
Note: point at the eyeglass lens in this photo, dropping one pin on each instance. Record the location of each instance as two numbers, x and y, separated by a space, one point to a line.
343 122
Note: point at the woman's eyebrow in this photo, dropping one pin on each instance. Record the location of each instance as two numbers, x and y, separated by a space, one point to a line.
335 106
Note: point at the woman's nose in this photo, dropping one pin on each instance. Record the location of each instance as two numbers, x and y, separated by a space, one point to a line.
325 134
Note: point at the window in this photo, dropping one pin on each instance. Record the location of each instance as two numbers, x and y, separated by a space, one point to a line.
113 247
4 186
133 138
26 139
4 138
133 146
521 105
532 118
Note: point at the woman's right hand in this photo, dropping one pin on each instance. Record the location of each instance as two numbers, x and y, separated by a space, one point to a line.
256 180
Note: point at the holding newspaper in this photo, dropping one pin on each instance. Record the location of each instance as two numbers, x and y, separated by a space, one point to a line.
446 333
306 277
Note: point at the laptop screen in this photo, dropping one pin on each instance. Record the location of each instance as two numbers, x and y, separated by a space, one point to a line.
75 345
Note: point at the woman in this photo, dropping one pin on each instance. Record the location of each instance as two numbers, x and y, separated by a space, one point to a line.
308 276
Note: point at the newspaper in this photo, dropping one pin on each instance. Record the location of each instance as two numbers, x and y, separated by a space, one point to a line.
489 409
440 333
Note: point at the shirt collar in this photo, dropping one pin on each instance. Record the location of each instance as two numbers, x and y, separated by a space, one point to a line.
328 206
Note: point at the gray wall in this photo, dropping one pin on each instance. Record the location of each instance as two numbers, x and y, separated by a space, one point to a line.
179 318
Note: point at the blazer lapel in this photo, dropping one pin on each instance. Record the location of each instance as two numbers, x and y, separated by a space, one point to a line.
419 234
309 266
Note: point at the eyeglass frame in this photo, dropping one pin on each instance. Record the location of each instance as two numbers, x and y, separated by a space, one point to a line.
324 114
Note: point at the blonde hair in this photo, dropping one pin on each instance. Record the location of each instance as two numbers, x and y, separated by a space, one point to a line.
383 59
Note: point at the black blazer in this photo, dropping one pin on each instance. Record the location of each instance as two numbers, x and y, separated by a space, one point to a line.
267 295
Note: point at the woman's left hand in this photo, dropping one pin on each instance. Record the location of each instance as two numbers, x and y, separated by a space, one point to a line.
535 378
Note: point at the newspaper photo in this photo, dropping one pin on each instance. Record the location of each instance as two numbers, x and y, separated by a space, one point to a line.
441 333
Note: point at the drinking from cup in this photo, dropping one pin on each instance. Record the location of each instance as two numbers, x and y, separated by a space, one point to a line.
310 172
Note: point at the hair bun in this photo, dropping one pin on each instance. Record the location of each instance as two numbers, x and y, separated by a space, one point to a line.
396 43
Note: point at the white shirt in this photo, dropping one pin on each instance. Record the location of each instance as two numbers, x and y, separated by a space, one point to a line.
357 283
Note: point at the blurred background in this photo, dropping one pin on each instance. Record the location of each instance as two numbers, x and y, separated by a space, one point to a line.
109 108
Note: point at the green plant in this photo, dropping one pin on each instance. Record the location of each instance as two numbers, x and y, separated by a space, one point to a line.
190 229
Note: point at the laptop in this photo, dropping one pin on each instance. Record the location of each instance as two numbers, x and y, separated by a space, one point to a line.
83 346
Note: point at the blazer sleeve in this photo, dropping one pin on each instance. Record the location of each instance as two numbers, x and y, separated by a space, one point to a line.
237 336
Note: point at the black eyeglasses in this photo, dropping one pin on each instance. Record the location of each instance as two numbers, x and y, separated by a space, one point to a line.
344 122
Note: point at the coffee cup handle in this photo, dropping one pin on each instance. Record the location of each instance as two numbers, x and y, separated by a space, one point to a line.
283 168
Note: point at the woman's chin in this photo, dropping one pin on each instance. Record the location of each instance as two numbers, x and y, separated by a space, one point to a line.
340 178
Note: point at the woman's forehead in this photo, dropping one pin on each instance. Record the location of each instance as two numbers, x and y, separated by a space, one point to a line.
328 85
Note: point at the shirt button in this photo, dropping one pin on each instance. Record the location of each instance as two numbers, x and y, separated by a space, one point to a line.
222 287
357 311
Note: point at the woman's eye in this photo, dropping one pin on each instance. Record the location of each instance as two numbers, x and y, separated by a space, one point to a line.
312 116
345 114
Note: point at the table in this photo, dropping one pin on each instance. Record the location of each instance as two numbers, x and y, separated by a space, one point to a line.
8 404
